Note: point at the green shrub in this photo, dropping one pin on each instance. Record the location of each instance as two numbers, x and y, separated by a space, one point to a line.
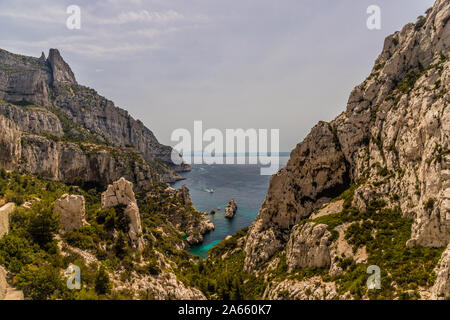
15 252
44 223
39 282
102 282
153 267
79 240
121 245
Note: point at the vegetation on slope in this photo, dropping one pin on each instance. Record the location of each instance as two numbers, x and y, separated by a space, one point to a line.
37 255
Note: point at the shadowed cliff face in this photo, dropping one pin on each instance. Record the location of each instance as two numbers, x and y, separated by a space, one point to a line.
42 97
393 138
24 79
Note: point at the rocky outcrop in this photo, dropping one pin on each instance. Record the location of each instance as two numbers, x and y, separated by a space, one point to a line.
231 209
393 139
69 162
165 286
71 209
310 179
309 289
9 144
184 194
24 79
61 71
33 119
66 161
121 193
5 211
441 288
197 230
309 247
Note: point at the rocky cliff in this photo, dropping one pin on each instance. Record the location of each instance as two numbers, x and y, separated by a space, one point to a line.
390 148
42 97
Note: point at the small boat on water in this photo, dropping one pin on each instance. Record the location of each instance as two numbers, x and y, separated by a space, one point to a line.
209 190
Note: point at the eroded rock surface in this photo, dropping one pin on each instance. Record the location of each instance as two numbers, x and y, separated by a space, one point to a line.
184 194
441 288
121 193
309 247
3 283
71 209
5 211
394 137
196 231
231 209
308 289
9 144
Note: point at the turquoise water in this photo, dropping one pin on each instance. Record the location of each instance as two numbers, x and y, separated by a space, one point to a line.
242 182
202 250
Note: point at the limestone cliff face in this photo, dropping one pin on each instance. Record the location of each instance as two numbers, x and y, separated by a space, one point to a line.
309 247
441 288
24 79
393 139
69 162
42 97
33 119
9 144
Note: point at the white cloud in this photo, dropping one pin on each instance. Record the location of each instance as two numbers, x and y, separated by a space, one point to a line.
144 16
52 14
87 46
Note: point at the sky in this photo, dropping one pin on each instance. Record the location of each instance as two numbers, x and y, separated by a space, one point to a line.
262 64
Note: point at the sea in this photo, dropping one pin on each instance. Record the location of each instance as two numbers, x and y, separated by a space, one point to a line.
243 182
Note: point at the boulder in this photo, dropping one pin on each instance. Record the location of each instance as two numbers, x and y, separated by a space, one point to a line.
71 209
121 193
231 209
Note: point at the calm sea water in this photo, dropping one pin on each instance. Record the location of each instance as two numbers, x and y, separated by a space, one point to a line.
242 182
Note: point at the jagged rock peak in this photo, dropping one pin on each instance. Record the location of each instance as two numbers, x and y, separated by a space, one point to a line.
60 69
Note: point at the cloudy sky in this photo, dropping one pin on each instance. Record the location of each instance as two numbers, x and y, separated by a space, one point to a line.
282 64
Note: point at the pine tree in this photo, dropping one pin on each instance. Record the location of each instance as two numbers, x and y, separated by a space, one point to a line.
121 245
102 283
